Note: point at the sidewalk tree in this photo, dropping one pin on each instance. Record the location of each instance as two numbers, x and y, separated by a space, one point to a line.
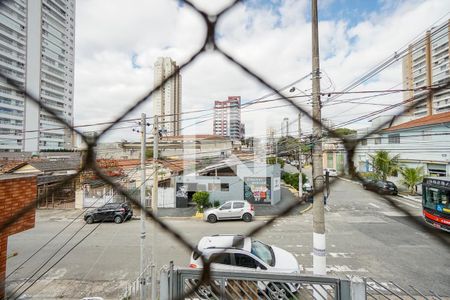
292 179
149 153
411 177
344 131
273 160
384 165
201 199
289 146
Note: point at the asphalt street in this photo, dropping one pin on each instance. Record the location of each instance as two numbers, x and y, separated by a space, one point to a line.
366 236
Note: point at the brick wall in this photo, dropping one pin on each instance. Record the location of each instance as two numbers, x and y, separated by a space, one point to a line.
16 192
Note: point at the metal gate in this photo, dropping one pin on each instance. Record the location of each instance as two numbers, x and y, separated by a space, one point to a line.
235 284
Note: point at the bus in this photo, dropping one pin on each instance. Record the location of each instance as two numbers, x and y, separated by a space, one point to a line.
436 202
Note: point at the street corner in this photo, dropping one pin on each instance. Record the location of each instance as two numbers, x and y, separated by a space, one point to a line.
305 208
59 214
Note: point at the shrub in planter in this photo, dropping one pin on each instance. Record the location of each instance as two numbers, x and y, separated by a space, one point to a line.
201 199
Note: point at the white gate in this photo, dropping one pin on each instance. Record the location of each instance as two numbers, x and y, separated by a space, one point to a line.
166 197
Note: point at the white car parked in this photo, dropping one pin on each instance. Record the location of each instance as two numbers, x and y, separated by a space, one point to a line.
237 252
230 210
331 172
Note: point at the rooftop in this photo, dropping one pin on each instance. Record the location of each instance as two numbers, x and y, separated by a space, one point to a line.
425 121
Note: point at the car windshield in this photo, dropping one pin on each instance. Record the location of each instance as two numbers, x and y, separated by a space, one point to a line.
264 252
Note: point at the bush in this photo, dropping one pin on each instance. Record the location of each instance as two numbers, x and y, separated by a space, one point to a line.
292 179
215 203
201 199
273 160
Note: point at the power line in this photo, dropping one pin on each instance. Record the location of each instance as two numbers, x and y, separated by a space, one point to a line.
65 254
58 233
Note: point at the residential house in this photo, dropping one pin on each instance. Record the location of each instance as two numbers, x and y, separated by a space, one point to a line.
423 142
55 187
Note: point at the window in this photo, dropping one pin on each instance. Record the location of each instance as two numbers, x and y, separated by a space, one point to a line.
245 261
237 205
378 140
264 252
221 258
224 187
364 142
213 187
394 138
226 206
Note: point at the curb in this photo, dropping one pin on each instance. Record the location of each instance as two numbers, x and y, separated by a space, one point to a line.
409 198
306 209
349 180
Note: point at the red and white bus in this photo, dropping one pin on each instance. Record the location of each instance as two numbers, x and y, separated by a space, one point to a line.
436 202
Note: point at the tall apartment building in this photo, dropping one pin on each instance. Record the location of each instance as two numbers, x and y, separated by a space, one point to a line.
227 118
37 54
427 64
167 99
285 127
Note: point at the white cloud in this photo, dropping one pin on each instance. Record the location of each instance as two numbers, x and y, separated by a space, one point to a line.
272 40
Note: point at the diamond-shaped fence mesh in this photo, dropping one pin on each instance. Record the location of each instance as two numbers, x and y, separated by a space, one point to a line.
89 162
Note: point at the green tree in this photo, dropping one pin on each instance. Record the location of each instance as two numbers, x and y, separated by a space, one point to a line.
149 153
344 131
201 199
384 165
272 161
289 147
411 177
292 179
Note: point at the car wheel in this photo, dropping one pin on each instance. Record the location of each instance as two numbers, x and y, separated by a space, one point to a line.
247 217
277 291
90 220
117 219
212 218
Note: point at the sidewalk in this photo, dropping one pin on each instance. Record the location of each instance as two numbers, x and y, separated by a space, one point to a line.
415 198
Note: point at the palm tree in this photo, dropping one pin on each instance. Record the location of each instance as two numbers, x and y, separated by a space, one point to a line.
384 165
411 177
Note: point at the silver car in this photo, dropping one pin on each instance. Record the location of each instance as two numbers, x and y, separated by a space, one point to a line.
230 210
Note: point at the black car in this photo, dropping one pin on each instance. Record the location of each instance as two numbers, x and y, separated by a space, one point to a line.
117 212
380 186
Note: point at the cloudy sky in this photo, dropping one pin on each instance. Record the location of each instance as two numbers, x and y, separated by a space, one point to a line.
118 42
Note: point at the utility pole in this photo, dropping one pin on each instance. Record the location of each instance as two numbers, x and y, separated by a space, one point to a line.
142 282
300 177
154 201
319 249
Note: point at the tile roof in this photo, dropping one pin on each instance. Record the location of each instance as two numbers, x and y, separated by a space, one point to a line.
57 165
8 165
428 120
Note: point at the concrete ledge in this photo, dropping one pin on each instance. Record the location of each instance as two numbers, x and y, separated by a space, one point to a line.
306 209
198 215
349 180
411 198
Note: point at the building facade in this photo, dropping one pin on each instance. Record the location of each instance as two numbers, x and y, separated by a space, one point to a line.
167 99
37 54
16 193
427 64
227 118
285 127
253 182
423 142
